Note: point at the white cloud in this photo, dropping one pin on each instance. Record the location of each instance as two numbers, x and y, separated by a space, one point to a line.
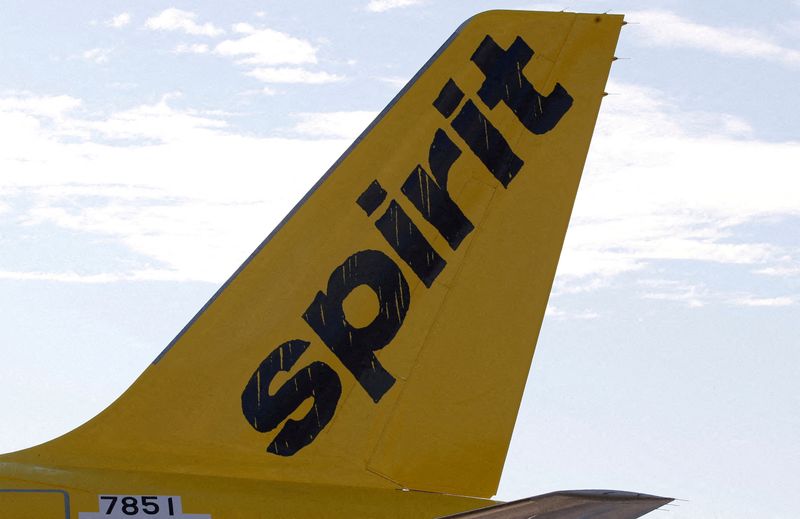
65 277
243 28
173 19
153 123
698 295
395 81
293 75
678 193
553 312
191 48
344 125
266 47
96 55
665 290
665 28
40 106
763 301
545 6
266 91
260 47
121 20
780 271
379 6
171 185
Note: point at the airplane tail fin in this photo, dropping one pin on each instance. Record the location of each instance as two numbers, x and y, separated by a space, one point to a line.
382 334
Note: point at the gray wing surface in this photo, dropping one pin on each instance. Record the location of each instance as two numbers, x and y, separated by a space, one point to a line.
572 504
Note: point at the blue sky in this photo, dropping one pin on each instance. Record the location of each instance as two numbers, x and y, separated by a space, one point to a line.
140 145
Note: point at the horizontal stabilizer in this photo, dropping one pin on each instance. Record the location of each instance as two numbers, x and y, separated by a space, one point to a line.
572 504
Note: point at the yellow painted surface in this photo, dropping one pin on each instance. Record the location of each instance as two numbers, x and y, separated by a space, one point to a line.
220 497
460 358
31 504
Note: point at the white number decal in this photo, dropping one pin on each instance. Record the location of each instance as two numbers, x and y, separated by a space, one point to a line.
150 507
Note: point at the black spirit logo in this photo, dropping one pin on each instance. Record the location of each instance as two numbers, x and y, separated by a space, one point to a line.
427 190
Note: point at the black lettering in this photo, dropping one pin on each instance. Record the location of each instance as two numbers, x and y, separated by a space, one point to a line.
505 81
430 195
113 500
371 198
409 243
487 143
448 99
265 412
152 503
355 347
130 506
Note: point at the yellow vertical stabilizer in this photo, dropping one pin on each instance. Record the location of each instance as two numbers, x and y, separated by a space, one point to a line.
382 335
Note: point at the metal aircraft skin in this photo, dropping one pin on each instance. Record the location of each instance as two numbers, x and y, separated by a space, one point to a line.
368 359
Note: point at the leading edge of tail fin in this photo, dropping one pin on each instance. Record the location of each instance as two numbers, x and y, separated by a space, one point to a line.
382 336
